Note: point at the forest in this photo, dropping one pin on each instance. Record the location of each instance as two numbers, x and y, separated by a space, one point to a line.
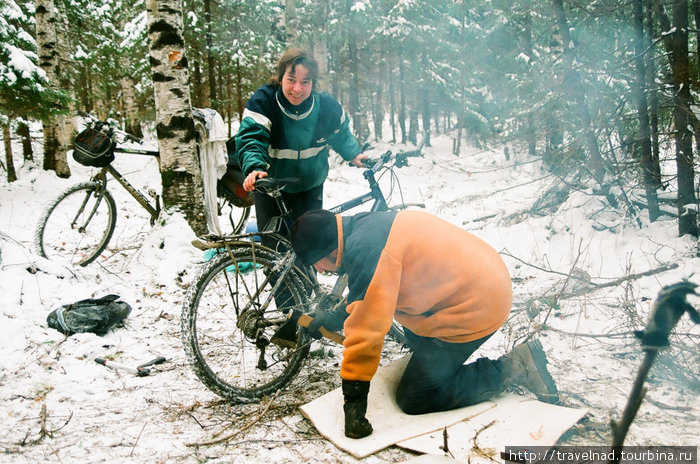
603 91
562 132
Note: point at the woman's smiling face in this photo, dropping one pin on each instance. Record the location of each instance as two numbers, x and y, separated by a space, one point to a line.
296 84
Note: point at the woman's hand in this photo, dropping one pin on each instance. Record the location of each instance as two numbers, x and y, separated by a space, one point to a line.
249 182
357 161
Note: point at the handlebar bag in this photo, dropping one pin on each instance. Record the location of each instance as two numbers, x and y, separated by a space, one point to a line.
93 148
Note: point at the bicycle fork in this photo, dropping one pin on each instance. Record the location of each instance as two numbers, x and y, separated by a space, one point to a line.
99 194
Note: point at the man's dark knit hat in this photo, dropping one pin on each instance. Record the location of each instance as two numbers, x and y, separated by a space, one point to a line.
314 236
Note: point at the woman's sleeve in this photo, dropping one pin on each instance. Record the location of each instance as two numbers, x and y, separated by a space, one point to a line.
342 140
253 137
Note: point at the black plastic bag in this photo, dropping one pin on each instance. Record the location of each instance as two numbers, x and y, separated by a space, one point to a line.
90 315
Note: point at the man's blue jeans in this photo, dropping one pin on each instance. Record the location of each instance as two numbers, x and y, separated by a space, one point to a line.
436 378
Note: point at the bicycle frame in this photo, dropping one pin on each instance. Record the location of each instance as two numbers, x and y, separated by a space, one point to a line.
101 177
375 194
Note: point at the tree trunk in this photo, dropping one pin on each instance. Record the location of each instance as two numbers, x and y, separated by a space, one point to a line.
211 67
653 94
680 71
10 165
55 137
180 170
240 102
23 132
425 110
638 91
579 97
413 126
696 14
527 48
132 121
402 100
290 21
319 43
392 97
675 40
378 103
354 106
197 86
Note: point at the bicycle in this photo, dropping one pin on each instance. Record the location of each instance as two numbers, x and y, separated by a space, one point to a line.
235 323
78 224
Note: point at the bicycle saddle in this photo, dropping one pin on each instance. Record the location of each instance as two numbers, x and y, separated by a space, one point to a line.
269 185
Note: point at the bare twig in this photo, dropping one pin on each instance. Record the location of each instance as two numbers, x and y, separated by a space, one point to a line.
137 438
593 286
245 427
445 448
476 447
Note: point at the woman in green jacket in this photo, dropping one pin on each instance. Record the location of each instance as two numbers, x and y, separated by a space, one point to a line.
286 131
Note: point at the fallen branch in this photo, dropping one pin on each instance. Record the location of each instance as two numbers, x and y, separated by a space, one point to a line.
593 286
481 452
245 427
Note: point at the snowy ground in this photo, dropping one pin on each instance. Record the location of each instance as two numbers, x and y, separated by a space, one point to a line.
58 405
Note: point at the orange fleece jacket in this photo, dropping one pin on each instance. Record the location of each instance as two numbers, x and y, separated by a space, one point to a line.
437 280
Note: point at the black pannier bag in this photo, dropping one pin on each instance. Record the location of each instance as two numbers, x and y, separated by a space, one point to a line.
230 185
93 148
90 315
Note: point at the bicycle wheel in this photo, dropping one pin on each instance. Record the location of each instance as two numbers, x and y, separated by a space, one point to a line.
234 218
77 226
229 317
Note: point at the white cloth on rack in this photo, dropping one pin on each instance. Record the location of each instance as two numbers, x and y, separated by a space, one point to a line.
212 158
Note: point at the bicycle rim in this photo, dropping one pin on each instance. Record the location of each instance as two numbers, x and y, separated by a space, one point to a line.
234 219
229 317
77 226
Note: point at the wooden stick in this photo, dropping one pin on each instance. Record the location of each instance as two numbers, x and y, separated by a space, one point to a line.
305 320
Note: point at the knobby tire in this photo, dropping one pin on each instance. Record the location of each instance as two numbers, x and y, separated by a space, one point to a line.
54 237
228 314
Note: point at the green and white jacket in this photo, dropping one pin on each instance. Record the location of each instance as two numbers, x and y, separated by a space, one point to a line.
292 141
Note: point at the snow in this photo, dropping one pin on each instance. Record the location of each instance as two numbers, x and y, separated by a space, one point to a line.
90 413
21 61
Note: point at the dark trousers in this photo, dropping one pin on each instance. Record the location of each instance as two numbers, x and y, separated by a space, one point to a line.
436 378
298 203
266 208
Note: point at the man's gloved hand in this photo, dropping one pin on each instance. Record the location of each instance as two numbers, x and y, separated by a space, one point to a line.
355 407
332 321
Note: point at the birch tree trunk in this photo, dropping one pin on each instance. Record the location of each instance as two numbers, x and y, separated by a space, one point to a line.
180 171
57 129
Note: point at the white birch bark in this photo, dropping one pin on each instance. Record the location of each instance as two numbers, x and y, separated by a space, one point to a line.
57 130
180 170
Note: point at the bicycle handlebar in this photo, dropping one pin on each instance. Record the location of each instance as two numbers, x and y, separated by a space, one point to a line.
110 129
377 163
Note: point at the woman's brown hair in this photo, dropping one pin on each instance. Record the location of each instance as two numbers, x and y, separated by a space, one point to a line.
292 57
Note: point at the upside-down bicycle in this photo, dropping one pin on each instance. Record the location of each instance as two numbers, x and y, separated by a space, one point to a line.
244 297
78 224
